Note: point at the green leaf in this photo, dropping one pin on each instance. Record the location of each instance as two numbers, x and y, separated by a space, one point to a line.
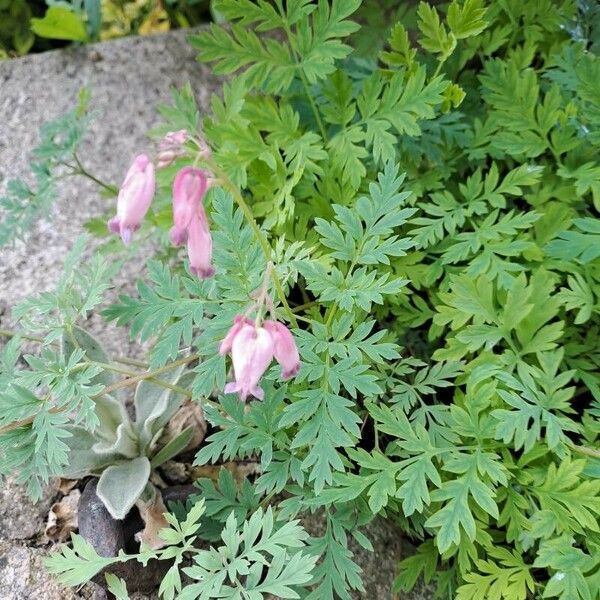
582 246
320 46
77 565
434 36
60 23
456 515
573 500
507 574
116 586
246 550
173 448
337 573
76 337
466 20
578 296
401 53
570 564
268 63
121 485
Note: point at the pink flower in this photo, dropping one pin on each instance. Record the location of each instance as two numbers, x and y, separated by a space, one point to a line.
285 350
199 245
189 188
251 353
252 350
238 322
135 197
170 147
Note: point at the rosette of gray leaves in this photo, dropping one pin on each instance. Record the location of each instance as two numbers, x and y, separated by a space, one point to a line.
122 451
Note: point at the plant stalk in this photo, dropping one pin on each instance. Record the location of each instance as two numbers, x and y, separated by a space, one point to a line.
259 234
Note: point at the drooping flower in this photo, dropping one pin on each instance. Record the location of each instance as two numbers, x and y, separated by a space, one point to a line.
199 245
250 346
189 187
251 353
170 147
135 197
285 350
238 322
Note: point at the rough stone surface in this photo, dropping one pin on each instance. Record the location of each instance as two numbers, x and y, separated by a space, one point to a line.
128 78
19 518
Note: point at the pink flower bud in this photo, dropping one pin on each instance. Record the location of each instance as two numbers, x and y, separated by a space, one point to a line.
199 245
135 197
238 322
174 138
189 188
285 350
170 147
252 353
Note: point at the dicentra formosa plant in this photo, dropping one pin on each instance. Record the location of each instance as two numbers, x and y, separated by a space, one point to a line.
123 451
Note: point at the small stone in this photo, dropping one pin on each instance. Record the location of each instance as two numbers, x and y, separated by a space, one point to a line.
179 493
96 525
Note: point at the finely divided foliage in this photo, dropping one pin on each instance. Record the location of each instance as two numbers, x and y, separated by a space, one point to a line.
429 209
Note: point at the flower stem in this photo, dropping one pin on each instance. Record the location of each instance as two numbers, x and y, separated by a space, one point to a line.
150 375
258 233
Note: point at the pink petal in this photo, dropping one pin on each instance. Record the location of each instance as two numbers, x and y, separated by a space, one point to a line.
285 349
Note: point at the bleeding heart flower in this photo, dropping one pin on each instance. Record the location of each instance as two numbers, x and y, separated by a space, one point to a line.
170 147
238 322
135 197
199 245
252 353
189 187
285 350
252 350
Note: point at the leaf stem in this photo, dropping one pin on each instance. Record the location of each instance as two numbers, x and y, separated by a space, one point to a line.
32 338
81 170
150 375
305 83
585 450
11 334
313 105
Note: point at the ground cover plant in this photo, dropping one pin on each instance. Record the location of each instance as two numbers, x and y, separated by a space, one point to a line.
389 299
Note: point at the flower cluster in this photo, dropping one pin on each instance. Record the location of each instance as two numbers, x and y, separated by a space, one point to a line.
189 188
252 348
252 345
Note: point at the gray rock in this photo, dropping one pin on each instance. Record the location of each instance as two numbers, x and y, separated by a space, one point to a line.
128 78
20 519
23 577
96 525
